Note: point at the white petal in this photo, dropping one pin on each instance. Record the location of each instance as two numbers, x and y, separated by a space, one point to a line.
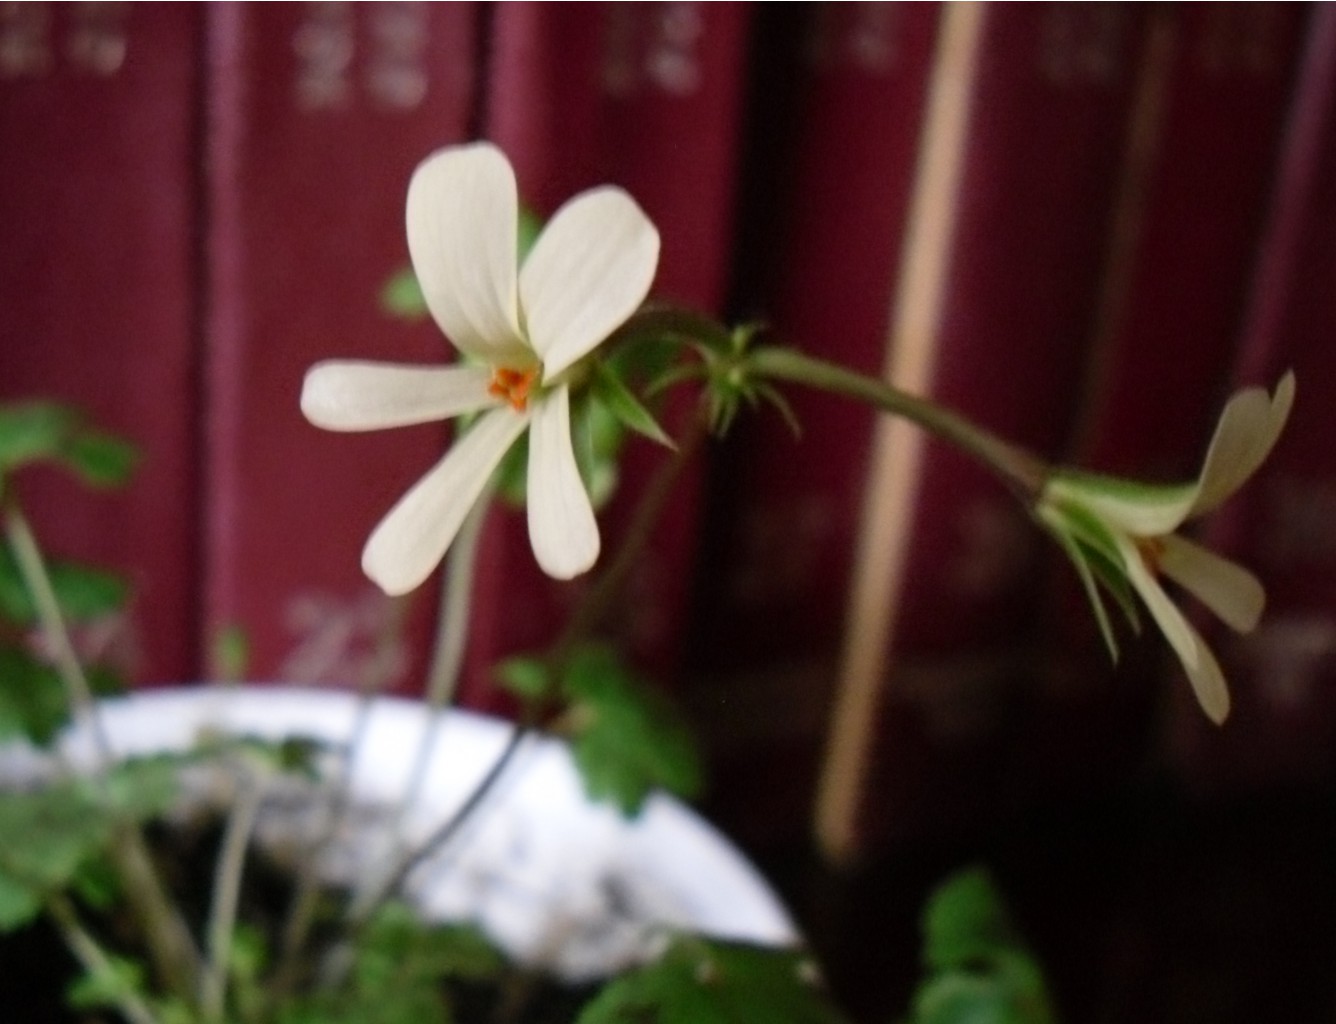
562 528
1247 431
413 538
589 270
1208 682
462 216
1165 613
1229 590
351 395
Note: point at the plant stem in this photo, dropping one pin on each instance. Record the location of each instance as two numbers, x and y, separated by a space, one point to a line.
227 892
170 944
32 567
94 959
1021 470
452 638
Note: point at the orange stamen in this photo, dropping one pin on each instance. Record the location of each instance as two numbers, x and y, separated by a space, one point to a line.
1151 550
513 386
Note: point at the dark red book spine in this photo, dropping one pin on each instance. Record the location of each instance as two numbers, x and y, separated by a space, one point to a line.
317 116
1282 729
648 97
99 117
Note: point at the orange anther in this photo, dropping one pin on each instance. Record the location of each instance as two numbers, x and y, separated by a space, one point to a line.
513 386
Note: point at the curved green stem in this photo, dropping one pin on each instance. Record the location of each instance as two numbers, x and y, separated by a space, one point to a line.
1019 468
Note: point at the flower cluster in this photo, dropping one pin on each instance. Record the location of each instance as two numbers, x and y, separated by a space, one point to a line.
523 331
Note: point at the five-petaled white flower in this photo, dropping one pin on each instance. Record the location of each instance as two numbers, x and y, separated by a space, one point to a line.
1115 528
524 330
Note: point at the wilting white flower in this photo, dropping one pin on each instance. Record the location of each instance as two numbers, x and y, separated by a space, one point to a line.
523 329
1120 532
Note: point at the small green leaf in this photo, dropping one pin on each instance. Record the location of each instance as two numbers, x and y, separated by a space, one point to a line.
401 296
43 431
230 654
980 969
617 397
82 592
526 678
966 921
63 826
107 988
146 787
704 982
33 704
19 904
102 459
33 432
627 739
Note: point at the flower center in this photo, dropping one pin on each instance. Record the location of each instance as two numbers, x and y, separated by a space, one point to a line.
513 386
1151 550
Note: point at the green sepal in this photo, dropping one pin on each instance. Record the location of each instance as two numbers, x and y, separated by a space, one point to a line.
611 392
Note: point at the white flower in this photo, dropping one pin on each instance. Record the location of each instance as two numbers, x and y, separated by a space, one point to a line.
1122 532
524 330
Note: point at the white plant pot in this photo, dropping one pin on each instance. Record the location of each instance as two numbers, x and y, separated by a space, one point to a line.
557 881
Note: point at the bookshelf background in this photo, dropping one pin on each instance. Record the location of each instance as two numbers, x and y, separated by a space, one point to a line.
197 203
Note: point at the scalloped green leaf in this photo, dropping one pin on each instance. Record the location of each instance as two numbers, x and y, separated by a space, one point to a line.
627 740
33 704
34 431
698 981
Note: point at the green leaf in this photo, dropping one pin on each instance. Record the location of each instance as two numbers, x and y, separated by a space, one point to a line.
230 654
42 431
33 704
102 459
526 678
34 432
703 982
617 398
107 988
146 787
398 972
401 296
966 921
63 827
20 904
961 997
627 739
82 592
980 970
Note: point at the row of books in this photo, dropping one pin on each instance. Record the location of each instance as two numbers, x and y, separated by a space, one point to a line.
1080 224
